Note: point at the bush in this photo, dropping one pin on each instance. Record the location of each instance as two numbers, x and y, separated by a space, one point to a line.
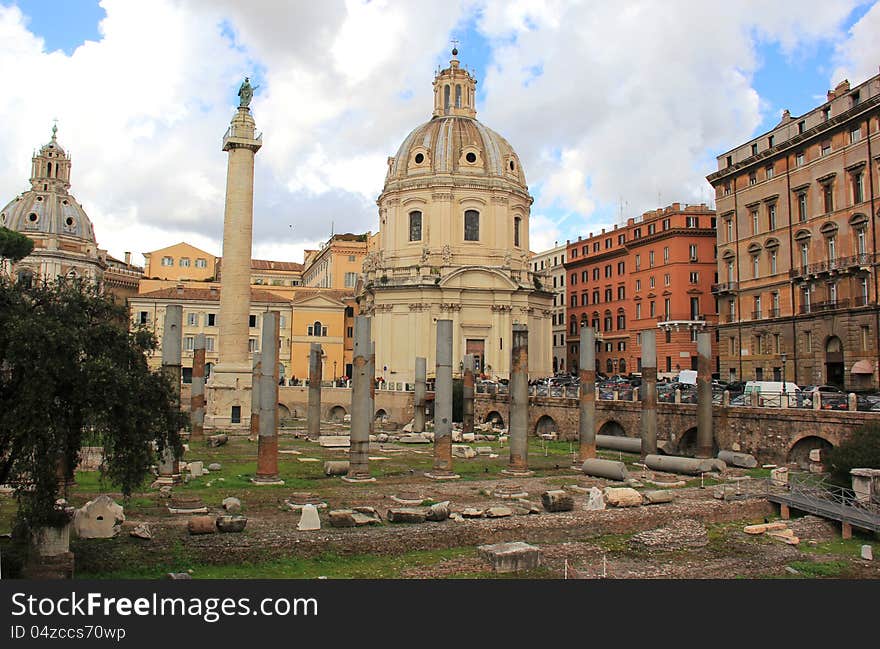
861 450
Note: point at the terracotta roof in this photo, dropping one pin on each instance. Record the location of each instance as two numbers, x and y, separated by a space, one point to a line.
267 264
207 295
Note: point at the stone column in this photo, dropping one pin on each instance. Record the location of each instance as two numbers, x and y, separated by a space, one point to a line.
372 375
361 404
267 450
172 337
315 378
231 377
443 404
587 370
518 465
419 395
649 393
705 436
468 395
197 403
255 397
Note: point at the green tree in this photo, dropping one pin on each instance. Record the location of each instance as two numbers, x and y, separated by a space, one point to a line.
14 245
861 450
71 373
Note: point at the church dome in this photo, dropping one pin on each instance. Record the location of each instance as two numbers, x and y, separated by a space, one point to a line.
454 142
48 208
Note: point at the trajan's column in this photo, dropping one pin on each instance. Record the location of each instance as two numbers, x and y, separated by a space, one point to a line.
229 388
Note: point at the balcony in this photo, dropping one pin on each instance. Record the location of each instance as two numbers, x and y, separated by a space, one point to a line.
756 315
819 307
692 321
829 266
773 313
725 287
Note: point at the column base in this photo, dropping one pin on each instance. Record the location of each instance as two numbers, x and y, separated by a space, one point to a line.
358 479
165 480
442 475
517 473
267 481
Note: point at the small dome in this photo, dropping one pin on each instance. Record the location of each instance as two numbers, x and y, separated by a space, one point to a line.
47 213
456 144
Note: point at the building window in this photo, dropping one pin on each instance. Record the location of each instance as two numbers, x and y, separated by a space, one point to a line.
638 262
651 282
756 266
209 343
583 299
755 223
858 188
252 344
753 178
351 258
775 304
731 345
754 148
825 148
621 268
667 308
805 299
184 262
415 226
828 197
726 189
252 321
595 274
802 126
832 248
201 262
192 319
471 225
189 343
771 216
638 285
729 230
802 206
516 225
773 262
235 415
666 224
861 241
666 254
621 292
608 270
608 295
693 221
607 243
585 276
351 280
596 246
574 300
144 317
667 279
799 159
574 279
769 171
652 228
692 252
855 135
730 271
211 320
694 278
638 310
167 261
805 253
621 322
865 338
652 310
651 259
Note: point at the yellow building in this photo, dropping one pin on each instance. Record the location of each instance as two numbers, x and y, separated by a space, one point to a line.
338 264
320 317
180 262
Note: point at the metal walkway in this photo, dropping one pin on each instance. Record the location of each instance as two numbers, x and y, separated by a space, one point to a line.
816 496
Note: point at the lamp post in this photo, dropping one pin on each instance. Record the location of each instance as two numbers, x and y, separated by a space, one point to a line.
334 374
784 358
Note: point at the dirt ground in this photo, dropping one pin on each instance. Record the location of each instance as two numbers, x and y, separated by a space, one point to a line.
574 544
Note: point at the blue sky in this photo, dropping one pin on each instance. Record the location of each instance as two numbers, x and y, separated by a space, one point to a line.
341 84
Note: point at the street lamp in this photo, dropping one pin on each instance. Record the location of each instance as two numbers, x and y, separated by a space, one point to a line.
334 373
784 357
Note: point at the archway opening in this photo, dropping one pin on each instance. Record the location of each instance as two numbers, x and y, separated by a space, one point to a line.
612 428
834 361
800 453
380 414
545 425
337 414
495 419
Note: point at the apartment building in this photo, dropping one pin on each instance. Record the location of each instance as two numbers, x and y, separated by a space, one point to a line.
797 264
549 265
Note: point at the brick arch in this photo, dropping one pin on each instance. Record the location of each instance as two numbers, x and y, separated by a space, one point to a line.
545 424
493 414
380 413
335 413
798 450
611 426
283 411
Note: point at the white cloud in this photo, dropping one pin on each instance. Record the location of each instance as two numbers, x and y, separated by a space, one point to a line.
602 101
858 56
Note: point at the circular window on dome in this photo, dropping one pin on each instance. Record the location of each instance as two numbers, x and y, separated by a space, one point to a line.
3 218
471 157
33 217
70 222
420 158
39 199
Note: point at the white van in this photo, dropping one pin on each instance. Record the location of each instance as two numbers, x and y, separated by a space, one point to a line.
770 393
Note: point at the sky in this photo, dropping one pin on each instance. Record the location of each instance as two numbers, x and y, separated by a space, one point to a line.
614 108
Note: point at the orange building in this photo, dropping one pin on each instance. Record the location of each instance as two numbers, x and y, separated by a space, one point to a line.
654 273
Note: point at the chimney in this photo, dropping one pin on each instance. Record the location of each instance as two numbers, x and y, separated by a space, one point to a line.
128 259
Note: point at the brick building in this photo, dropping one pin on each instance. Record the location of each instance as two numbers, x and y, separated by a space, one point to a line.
655 272
797 246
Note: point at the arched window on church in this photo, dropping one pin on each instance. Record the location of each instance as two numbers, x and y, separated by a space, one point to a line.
415 226
25 277
316 328
446 97
516 224
458 96
471 225
49 169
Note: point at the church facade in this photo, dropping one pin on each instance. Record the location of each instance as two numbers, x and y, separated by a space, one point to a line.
453 244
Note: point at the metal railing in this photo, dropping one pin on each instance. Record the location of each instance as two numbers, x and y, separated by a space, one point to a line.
829 305
725 287
829 265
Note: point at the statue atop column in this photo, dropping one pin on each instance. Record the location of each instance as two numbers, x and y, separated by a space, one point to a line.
246 93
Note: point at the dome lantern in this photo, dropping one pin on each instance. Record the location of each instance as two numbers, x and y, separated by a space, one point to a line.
454 91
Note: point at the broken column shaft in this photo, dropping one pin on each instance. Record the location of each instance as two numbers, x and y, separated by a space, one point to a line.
315 377
587 421
467 394
267 450
705 437
443 404
419 396
518 463
649 392
255 397
172 338
361 406
197 401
